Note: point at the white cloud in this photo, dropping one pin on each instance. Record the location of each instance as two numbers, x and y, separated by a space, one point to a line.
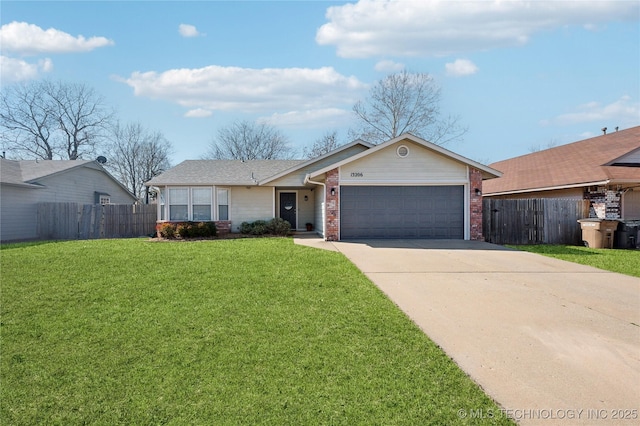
318 118
461 67
217 88
443 27
198 113
187 30
624 111
389 66
28 39
14 70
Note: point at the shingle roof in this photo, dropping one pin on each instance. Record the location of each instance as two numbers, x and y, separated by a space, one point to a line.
576 164
25 172
36 169
222 172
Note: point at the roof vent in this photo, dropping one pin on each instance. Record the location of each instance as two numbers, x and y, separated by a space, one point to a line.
101 159
402 151
604 130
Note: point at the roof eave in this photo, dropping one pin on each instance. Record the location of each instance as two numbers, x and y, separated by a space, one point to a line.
23 185
547 188
488 172
316 159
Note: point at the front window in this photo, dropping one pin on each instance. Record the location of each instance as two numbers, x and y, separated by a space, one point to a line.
178 204
223 204
201 199
162 204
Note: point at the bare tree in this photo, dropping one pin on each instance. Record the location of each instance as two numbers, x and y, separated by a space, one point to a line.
405 103
327 143
137 155
53 120
243 140
27 121
82 117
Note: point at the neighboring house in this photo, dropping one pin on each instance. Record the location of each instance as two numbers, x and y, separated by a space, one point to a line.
25 183
403 188
605 170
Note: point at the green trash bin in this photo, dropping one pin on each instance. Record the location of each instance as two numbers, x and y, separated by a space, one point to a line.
598 233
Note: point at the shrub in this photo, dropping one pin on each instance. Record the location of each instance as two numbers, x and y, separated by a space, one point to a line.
186 230
245 228
209 229
259 227
278 226
167 230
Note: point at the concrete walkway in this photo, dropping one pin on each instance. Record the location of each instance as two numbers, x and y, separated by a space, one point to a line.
551 341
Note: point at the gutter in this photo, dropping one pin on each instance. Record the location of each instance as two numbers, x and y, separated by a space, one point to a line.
324 198
549 188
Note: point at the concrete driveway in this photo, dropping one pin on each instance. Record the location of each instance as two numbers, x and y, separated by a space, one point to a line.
550 341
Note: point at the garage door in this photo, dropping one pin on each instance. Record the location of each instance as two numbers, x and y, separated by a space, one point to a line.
435 212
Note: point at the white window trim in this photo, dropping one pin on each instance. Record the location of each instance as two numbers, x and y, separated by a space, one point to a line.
191 197
169 203
166 207
216 209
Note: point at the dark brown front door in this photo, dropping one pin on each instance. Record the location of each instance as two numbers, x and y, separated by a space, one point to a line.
288 207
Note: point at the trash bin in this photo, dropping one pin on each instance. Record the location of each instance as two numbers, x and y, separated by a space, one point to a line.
598 233
626 236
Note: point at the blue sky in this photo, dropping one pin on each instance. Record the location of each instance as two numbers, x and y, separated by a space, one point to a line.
518 74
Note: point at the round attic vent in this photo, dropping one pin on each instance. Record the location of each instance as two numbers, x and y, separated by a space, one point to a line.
402 151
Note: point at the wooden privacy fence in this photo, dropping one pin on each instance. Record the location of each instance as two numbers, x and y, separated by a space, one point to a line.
533 221
73 221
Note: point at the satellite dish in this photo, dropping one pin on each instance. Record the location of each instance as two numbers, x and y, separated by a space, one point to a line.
101 159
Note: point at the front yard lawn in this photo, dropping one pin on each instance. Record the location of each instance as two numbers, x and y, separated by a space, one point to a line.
247 331
622 261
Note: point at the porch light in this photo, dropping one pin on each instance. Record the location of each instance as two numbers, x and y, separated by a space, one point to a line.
333 191
478 192
306 198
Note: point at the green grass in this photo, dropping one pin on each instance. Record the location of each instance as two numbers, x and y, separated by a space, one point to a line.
622 261
249 331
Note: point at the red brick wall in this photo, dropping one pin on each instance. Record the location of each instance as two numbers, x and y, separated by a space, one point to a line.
223 226
332 206
475 204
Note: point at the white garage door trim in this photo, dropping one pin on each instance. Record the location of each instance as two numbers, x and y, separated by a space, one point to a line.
350 228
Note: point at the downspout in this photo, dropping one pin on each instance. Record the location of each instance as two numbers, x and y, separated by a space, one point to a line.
324 199
158 191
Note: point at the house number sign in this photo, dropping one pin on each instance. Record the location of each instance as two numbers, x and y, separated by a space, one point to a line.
357 174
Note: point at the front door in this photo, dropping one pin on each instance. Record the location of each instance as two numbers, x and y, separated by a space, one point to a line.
288 207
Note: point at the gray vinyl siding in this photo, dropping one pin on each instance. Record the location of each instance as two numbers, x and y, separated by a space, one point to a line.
248 205
79 186
305 208
631 204
18 212
297 178
318 224
420 166
632 157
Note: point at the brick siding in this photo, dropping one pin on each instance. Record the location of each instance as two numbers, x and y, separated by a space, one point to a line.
332 206
475 204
